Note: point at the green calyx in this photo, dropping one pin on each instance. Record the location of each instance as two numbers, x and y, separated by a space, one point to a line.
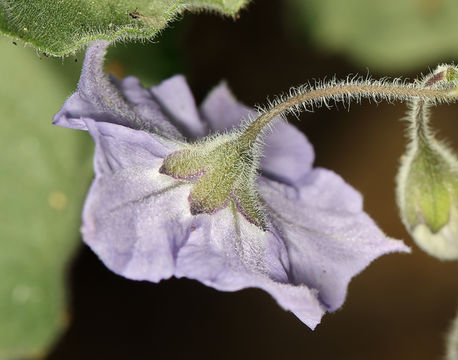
431 189
222 169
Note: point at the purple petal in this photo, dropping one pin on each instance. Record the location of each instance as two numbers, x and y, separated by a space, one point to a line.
287 155
74 112
178 103
328 236
222 111
96 97
326 190
128 219
102 99
138 222
152 116
137 233
119 147
227 252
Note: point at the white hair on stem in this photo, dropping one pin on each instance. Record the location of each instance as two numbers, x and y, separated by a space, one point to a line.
354 88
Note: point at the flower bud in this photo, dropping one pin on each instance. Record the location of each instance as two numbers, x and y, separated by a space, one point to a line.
427 190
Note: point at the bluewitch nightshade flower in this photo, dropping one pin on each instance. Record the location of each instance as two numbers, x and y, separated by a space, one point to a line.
164 203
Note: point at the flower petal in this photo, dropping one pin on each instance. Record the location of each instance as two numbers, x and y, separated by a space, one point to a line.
287 154
178 103
326 190
133 214
228 253
328 236
96 97
152 116
222 111
139 223
100 98
119 147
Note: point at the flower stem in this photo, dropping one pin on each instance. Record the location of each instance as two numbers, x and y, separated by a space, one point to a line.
346 91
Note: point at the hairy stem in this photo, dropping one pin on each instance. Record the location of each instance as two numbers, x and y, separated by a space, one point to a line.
305 97
418 113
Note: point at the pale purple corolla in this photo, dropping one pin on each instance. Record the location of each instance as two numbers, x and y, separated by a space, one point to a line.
138 220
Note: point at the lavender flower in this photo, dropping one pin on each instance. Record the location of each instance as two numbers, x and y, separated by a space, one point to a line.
184 191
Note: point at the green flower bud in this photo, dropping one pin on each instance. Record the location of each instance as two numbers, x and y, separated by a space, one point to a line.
428 198
427 183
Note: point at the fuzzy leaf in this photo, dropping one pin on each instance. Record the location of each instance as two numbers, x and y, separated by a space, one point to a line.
60 27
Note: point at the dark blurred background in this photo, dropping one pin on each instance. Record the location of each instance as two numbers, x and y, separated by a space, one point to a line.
399 308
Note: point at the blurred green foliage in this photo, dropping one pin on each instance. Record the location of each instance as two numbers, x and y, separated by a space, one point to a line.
382 34
60 27
45 171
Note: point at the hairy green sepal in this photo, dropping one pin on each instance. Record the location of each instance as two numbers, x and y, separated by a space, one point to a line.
59 27
222 169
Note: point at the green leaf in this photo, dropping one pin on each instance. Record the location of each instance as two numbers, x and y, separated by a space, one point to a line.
60 27
387 35
45 172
